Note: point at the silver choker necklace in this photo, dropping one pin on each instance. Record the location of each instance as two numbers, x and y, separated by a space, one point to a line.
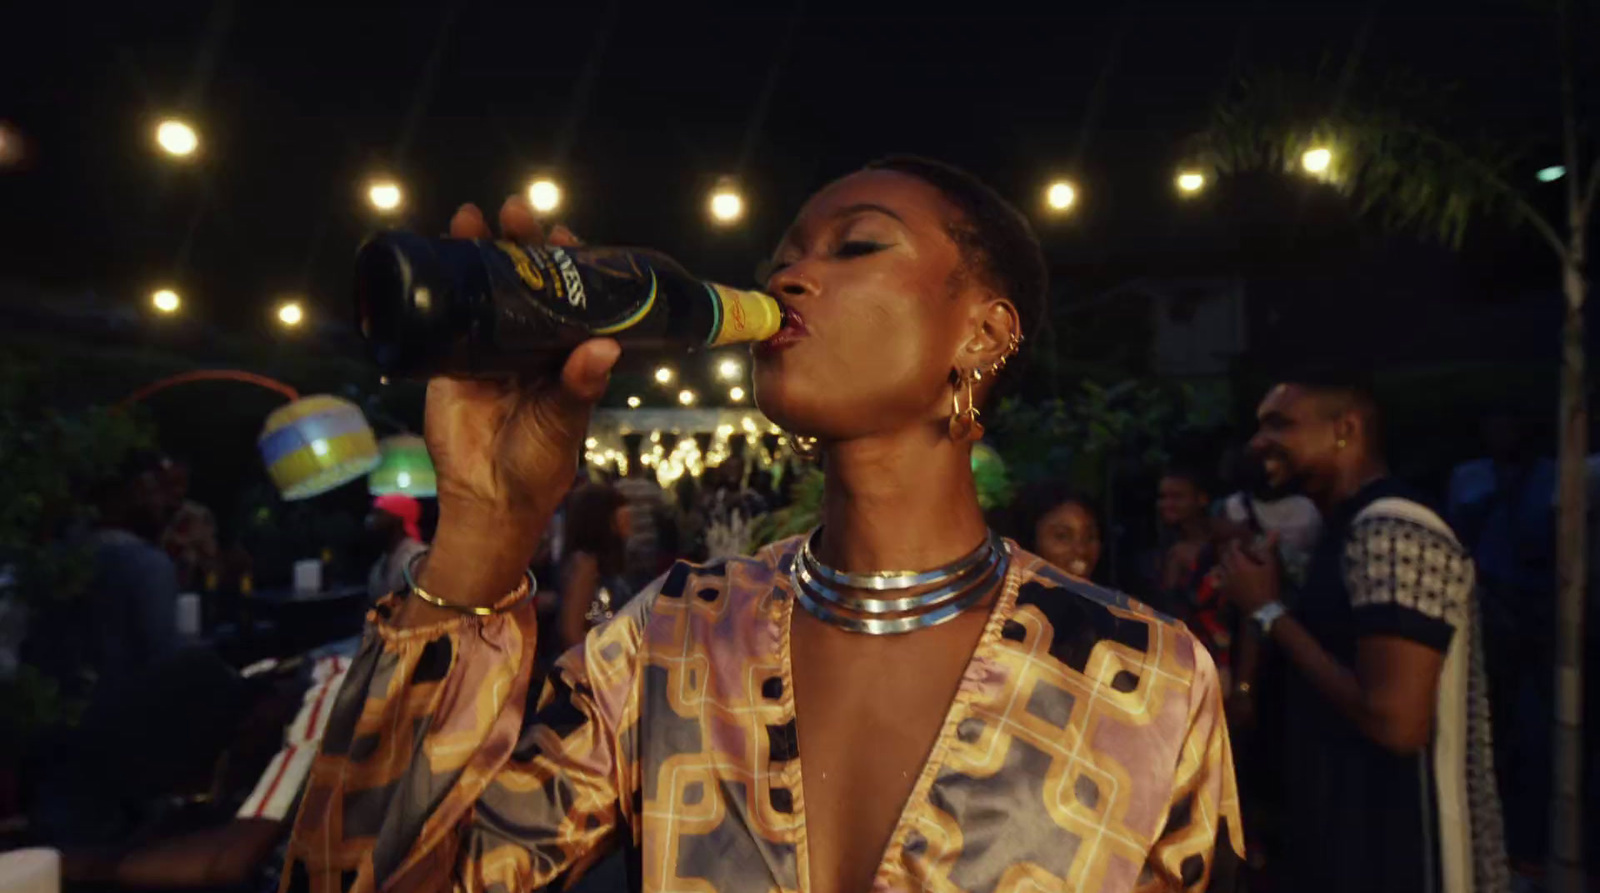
955 587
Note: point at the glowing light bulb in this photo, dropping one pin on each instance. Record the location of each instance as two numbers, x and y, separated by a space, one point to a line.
1061 195
1316 161
177 138
544 195
384 195
166 300
727 206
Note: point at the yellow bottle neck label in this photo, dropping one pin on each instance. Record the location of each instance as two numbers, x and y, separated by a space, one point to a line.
745 316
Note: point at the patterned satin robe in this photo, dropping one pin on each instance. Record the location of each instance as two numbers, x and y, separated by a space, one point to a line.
1085 750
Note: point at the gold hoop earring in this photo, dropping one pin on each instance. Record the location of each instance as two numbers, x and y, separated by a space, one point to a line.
964 426
806 448
1340 443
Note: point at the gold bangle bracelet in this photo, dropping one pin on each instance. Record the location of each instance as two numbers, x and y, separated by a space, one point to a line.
525 588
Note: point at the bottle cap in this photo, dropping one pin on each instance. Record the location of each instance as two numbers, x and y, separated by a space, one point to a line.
745 316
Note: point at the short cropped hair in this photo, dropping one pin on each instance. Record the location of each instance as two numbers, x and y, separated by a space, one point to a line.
1344 392
996 242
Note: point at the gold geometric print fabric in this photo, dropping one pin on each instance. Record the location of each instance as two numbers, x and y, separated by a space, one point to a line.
1085 751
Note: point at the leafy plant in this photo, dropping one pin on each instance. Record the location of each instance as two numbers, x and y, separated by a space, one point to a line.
1099 430
48 460
800 515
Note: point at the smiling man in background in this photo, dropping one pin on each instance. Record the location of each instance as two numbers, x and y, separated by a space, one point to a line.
1389 781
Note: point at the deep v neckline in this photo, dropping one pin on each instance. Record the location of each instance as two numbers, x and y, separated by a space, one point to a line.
981 654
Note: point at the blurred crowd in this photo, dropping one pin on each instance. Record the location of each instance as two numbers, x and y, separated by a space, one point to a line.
206 698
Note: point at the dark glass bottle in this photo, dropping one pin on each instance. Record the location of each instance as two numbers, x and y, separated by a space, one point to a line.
430 306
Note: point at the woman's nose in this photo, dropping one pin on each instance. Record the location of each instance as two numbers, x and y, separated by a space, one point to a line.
789 282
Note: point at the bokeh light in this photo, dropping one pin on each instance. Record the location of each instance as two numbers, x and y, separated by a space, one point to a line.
1061 195
1191 182
384 195
166 301
727 205
177 138
291 314
544 195
1316 161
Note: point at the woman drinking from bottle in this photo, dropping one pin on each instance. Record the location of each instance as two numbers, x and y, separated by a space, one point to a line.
899 700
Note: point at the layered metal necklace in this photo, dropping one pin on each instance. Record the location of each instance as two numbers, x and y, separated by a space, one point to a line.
825 593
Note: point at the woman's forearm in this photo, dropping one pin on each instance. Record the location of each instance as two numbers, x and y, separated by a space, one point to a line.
475 560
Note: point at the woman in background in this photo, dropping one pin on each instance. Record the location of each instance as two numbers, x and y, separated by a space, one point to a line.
1059 526
394 523
593 585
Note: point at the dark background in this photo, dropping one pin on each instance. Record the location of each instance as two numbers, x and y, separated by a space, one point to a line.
637 108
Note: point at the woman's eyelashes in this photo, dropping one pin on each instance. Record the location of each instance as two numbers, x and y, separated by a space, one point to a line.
858 248
847 250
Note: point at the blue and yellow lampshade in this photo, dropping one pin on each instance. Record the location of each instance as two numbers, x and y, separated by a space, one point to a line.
316 444
406 468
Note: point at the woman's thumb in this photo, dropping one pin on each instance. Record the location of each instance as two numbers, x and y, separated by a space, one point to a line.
587 371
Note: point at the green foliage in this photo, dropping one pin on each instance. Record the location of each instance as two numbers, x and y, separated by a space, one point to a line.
803 512
1395 149
1131 425
48 459
31 701
993 481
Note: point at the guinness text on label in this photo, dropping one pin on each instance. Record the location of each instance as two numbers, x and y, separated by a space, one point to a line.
569 275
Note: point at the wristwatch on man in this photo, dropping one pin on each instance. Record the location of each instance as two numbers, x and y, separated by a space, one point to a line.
1268 614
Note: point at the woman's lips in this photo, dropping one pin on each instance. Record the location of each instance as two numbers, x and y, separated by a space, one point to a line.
790 333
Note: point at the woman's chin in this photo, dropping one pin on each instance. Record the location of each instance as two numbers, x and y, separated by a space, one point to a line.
785 406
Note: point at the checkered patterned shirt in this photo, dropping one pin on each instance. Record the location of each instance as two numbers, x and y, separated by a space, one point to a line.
1085 750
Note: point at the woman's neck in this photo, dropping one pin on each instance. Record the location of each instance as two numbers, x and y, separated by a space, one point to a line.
902 502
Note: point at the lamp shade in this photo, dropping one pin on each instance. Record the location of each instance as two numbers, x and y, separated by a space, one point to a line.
405 468
315 444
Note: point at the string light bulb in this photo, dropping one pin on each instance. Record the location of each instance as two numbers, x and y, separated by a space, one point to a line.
544 195
384 195
1061 196
291 314
166 301
1316 161
177 138
726 204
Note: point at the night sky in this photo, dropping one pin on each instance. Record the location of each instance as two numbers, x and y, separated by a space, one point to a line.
638 108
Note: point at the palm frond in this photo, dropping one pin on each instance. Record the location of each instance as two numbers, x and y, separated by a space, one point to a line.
1394 150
